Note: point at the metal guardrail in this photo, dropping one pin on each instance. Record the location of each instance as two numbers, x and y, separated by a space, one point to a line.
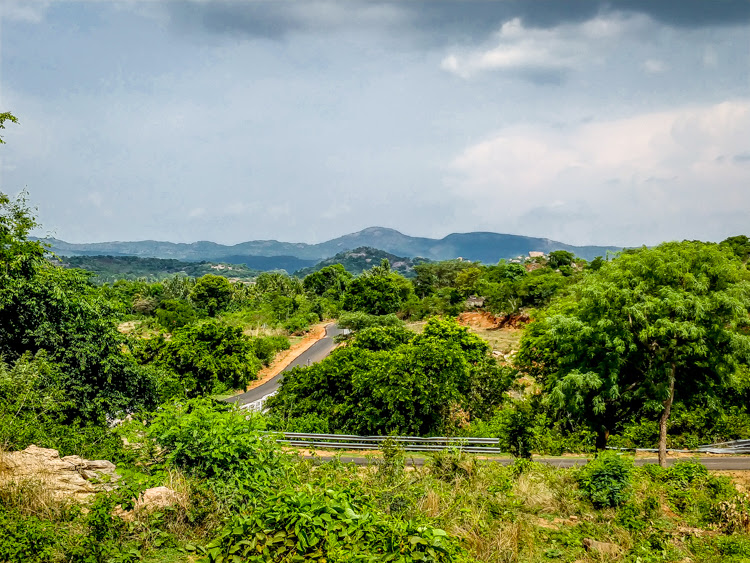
736 447
408 443
468 445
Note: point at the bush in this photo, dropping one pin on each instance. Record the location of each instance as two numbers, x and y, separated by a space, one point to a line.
606 480
267 346
516 429
25 540
330 525
213 440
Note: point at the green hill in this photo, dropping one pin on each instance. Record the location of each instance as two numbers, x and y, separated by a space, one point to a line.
363 258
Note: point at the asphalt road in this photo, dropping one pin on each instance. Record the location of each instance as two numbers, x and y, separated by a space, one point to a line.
314 353
734 463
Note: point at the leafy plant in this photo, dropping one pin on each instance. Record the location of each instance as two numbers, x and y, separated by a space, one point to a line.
606 480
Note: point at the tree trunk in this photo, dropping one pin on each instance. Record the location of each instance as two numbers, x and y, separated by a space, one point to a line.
664 418
601 439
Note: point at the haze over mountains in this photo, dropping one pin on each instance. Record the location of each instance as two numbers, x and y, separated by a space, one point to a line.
485 247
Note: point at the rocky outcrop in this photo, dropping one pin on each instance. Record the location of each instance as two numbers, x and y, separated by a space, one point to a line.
69 477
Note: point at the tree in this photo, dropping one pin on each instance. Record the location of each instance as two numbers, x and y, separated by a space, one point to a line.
46 308
330 281
207 358
558 258
377 291
389 380
6 116
646 327
212 293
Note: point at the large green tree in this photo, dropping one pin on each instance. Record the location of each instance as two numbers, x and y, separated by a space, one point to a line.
648 326
378 291
46 308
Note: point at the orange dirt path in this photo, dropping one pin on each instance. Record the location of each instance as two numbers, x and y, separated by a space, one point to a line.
286 357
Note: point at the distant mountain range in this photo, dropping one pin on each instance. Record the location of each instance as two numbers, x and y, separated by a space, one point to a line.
488 248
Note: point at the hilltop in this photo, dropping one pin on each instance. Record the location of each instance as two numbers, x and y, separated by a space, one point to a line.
363 258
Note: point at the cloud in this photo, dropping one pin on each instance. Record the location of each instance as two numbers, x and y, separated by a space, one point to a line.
656 173
30 11
534 52
444 22
654 66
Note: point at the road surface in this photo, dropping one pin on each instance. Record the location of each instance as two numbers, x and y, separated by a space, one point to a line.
314 353
733 463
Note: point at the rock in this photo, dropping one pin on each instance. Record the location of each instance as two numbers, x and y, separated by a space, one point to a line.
157 498
604 548
149 501
70 477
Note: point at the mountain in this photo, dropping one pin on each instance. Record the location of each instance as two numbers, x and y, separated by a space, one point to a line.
363 258
488 248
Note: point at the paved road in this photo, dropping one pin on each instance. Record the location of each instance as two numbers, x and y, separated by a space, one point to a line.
735 463
314 353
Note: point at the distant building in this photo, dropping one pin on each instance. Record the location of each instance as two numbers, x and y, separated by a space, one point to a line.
536 254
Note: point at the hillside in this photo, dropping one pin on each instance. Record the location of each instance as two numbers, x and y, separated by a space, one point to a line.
485 247
363 258
113 268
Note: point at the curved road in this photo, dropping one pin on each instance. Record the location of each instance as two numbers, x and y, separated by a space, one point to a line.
314 353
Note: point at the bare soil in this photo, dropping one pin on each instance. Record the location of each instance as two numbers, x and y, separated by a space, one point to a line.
286 357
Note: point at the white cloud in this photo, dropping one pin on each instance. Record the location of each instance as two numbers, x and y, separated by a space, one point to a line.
669 174
24 10
557 49
654 66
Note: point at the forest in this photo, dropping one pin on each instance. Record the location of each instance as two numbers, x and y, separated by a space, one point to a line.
646 348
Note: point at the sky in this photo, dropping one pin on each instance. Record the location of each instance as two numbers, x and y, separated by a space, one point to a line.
588 122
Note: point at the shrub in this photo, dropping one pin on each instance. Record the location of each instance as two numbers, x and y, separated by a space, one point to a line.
25 540
606 480
452 464
212 440
516 429
325 526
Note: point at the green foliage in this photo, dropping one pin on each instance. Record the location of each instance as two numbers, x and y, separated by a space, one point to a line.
6 116
25 539
516 429
265 347
211 293
46 308
213 440
559 258
326 526
607 479
360 259
646 322
377 291
330 281
358 320
175 313
379 338
208 358
110 269
381 385
453 464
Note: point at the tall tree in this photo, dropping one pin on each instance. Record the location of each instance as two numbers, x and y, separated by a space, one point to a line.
649 325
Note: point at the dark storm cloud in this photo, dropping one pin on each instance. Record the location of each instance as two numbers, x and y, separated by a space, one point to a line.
435 20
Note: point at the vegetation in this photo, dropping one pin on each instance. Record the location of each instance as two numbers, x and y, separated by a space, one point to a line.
109 269
616 350
363 258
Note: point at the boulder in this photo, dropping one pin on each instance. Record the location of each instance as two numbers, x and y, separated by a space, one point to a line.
69 477
149 501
